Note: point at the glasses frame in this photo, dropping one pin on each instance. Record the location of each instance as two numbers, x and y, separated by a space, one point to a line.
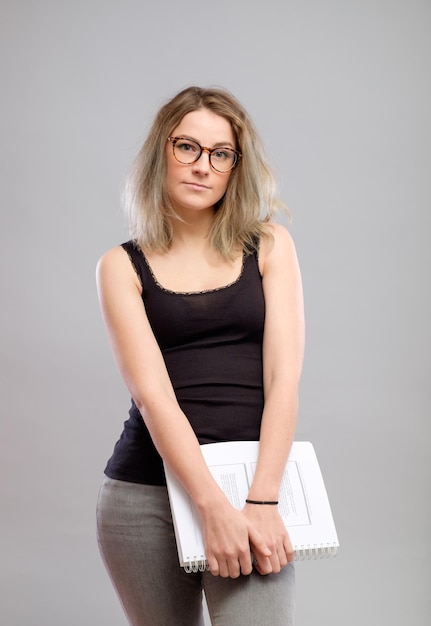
238 155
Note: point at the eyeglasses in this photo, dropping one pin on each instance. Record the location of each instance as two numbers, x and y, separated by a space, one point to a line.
187 151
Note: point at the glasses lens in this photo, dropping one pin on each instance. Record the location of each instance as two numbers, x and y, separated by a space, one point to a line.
186 151
223 159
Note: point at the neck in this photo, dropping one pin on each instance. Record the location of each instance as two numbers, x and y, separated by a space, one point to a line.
194 229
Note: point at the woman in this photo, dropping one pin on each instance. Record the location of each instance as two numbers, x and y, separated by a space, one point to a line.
203 308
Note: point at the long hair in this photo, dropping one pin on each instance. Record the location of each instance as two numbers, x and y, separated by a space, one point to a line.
250 198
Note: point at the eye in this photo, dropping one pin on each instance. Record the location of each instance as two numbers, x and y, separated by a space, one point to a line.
222 154
184 146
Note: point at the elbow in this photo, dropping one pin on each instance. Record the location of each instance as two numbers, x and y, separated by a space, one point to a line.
153 403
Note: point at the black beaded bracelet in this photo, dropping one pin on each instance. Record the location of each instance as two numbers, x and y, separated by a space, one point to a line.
272 502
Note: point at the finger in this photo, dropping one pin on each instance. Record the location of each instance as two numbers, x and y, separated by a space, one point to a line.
246 564
240 563
263 566
275 564
260 548
234 569
224 569
282 557
213 566
289 551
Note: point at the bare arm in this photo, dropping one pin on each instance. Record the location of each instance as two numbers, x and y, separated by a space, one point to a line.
227 531
282 361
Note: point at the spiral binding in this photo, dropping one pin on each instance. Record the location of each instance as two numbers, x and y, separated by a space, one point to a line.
304 553
315 552
196 565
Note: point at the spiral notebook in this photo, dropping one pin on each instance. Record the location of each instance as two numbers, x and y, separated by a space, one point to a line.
303 501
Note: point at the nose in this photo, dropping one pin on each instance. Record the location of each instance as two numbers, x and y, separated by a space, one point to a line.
203 162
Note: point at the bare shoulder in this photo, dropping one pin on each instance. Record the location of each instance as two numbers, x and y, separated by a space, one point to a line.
114 256
277 249
114 265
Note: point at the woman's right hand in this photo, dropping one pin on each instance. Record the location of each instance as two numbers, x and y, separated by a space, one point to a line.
228 535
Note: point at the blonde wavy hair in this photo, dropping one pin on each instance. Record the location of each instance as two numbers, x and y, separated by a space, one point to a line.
249 202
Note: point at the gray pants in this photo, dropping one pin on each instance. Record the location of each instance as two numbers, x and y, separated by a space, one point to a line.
137 543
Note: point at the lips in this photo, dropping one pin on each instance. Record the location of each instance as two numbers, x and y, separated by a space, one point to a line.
197 186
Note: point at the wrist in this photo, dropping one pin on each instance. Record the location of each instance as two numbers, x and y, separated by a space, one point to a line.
207 506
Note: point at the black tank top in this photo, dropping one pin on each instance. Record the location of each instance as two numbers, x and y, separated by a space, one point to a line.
211 342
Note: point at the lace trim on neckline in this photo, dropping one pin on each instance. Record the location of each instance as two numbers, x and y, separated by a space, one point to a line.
193 293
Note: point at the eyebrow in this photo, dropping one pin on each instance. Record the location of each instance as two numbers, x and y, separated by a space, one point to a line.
219 144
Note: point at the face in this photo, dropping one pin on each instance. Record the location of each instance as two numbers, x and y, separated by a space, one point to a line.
198 187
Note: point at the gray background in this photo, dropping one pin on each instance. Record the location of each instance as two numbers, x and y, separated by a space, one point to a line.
340 92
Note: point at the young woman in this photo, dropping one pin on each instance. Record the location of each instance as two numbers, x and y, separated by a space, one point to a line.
203 308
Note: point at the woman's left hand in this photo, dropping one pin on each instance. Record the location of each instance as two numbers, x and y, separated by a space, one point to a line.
267 520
